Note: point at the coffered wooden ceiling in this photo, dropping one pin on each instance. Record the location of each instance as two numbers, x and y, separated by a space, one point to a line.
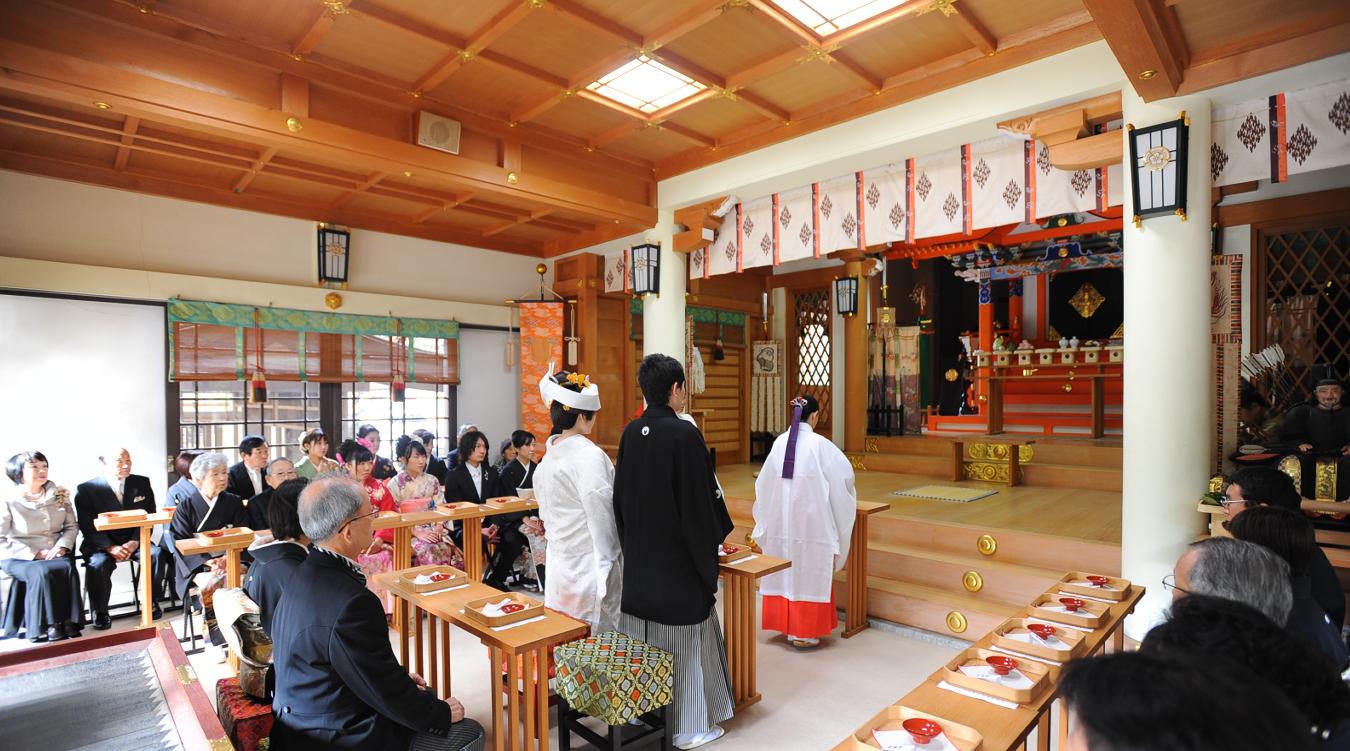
306 108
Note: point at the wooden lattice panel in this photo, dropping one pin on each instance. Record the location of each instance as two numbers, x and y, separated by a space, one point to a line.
810 342
1306 283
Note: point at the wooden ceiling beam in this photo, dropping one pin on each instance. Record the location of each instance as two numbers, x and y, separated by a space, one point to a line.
973 30
681 64
860 74
598 22
1136 32
129 128
365 185
765 68
787 23
689 134
1067 32
317 30
615 133
61 77
266 156
440 72
764 107
426 214
188 189
523 219
202 35
683 104
876 22
1315 45
600 233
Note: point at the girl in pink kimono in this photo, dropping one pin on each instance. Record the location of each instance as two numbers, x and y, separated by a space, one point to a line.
414 489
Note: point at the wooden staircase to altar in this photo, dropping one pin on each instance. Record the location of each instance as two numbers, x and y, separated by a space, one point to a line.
960 569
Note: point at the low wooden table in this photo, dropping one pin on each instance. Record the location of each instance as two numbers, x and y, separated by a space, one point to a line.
231 548
471 519
1004 729
855 569
143 526
739 626
522 723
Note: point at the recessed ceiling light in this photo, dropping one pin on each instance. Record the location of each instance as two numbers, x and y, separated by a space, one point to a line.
825 17
646 85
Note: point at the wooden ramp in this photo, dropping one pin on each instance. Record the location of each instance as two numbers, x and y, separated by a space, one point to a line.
963 568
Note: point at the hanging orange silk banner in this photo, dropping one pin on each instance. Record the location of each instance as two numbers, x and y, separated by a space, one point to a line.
541 341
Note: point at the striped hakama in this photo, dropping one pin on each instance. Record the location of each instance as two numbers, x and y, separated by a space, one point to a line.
702 679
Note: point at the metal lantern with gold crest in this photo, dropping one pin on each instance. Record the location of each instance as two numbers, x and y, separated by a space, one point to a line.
1158 157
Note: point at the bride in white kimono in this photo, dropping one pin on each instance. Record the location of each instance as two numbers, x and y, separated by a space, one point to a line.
574 486
804 508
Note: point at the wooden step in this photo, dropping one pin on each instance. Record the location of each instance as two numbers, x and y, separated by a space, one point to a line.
1068 476
910 464
1001 582
1013 546
928 608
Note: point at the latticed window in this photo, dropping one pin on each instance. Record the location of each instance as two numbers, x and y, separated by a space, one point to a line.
811 366
216 415
1303 290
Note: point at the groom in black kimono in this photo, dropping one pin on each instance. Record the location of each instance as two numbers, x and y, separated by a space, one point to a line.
1321 429
671 521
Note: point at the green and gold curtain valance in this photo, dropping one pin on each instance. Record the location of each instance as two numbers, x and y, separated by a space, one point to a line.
223 342
700 315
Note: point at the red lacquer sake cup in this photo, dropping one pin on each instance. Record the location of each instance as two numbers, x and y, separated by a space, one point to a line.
921 730
1071 604
1099 581
1002 665
1042 630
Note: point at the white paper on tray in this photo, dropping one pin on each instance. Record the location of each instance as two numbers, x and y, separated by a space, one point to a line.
1023 656
495 608
1057 624
1014 679
423 579
899 740
1053 642
746 559
1086 583
1102 600
962 690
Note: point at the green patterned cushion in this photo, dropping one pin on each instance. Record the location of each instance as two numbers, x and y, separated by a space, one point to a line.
613 677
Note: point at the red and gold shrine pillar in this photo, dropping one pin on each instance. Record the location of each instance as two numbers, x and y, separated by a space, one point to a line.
986 344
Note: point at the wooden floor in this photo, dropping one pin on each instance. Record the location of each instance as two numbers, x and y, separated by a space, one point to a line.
1066 512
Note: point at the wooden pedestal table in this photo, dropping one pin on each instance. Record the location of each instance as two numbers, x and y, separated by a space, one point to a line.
401 557
143 526
855 569
739 626
1004 729
471 518
524 648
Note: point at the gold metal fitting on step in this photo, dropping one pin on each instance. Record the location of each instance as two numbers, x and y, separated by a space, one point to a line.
972 581
987 545
956 622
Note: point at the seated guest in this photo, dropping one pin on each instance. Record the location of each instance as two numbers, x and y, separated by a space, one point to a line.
1321 428
177 495
384 469
1212 628
275 559
115 490
1291 537
246 477
37 536
358 461
210 507
1267 486
279 470
1234 570
338 684
452 458
315 461
435 466
506 453
518 475
415 489
473 480
1129 701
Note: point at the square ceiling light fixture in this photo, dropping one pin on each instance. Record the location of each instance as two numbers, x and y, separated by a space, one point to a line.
826 17
646 85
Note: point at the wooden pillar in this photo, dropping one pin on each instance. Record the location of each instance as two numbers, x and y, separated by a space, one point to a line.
1015 311
986 344
855 360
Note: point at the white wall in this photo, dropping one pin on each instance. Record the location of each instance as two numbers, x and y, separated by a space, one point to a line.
488 390
81 377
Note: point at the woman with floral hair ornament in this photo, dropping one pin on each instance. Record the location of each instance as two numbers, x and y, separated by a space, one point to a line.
804 508
574 486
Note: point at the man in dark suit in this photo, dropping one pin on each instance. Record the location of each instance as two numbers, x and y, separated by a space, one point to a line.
246 477
210 507
338 684
115 490
279 470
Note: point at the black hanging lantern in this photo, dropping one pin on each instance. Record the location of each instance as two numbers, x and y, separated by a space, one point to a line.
334 245
846 295
646 261
1158 156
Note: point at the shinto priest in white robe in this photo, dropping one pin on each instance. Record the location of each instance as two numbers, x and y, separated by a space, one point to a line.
807 519
574 486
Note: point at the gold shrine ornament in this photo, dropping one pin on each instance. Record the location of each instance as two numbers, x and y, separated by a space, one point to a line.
987 545
1086 300
972 581
1156 159
956 622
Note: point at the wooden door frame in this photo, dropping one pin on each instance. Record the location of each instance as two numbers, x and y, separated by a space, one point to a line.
792 357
